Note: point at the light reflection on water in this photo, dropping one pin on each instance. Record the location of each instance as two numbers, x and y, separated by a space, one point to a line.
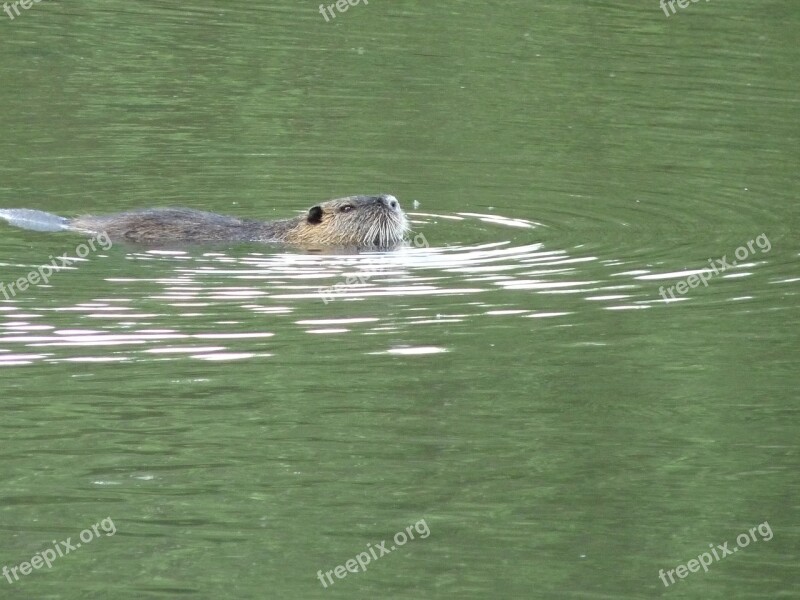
285 289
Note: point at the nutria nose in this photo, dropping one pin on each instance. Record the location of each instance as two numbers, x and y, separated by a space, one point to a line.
389 200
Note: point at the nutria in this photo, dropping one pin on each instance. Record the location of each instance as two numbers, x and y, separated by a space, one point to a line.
354 221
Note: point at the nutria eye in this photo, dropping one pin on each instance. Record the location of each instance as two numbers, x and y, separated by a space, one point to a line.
346 208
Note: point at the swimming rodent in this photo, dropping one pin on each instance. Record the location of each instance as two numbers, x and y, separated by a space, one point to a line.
353 221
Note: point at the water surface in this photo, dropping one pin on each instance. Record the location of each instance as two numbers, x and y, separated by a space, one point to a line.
250 415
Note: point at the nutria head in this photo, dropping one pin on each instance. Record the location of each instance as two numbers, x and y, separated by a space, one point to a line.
354 221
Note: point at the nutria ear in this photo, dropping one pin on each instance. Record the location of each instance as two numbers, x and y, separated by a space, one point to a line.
314 215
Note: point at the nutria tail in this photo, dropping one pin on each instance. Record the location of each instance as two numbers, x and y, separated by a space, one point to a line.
35 220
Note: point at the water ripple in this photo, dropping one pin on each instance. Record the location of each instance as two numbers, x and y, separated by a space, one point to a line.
509 270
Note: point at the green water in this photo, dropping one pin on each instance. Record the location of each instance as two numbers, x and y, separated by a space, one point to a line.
519 387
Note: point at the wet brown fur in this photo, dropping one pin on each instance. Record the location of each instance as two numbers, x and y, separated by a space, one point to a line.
353 221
